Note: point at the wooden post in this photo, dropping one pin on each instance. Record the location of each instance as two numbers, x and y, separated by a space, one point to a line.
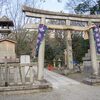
6 72
41 56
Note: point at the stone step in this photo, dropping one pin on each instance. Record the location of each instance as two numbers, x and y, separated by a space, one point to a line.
91 81
36 86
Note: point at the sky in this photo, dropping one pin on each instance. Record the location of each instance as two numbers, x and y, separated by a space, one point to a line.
50 5
53 5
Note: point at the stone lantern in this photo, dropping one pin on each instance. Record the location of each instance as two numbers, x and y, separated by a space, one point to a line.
7 46
54 62
59 63
65 56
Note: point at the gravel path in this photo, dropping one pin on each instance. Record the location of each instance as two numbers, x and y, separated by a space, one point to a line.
72 90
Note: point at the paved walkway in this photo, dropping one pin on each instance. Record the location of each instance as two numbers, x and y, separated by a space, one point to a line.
57 80
64 89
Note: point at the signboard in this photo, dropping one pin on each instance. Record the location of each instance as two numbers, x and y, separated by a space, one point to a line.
24 59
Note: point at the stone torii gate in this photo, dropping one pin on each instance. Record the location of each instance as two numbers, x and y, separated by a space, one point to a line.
69 25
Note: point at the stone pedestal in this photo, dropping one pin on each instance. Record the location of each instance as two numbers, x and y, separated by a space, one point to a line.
87 64
92 80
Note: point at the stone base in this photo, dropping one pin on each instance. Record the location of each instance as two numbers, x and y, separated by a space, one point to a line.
37 86
92 80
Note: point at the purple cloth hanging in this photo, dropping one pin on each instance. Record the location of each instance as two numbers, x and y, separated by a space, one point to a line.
97 38
41 33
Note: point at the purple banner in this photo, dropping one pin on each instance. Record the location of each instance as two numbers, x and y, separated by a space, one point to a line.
97 38
41 33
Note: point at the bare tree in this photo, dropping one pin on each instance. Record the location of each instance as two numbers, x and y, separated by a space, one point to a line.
2 5
13 10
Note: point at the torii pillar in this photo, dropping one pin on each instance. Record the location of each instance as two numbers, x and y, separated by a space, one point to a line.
69 48
95 65
41 56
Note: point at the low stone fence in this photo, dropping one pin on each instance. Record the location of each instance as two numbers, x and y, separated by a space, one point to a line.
16 74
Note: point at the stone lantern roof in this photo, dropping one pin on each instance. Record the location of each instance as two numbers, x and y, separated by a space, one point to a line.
4 21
